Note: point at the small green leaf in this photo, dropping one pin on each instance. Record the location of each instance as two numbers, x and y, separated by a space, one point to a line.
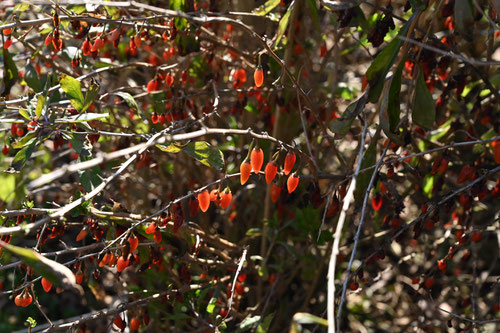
282 26
424 109
342 125
172 148
40 104
266 7
307 318
22 156
31 78
205 153
82 117
248 323
25 140
73 89
128 99
24 114
266 323
10 74
90 96
53 271
211 305
428 185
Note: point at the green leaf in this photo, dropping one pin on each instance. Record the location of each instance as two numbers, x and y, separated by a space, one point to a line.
53 271
10 72
24 114
25 140
266 7
428 185
266 323
393 107
248 323
211 305
342 125
364 177
283 24
376 73
173 148
128 99
40 104
307 318
424 109
90 96
31 78
73 89
82 117
22 156
205 153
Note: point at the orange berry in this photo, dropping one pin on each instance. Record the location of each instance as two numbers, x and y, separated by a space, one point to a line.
245 170
225 198
134 324
46 285
98 43
204 200
258 77
151 228
169 80
48 40
292 182
275 192
81 235
497 153
270 171
121 264
377 202
134 242
7 31
442 265
86 47
289 163
257 159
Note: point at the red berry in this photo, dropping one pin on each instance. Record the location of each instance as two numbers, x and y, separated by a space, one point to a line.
7 43
476 236
46 285
225 198
86 46
155 118
204 200
497 152
151 228
194 206
429 282
270 171
121 264
157 236
48 40
7 31
466 173
134 324
354 285
98 43
442 265
245 170
5 150
275 192
258 77
292 182
377 202
81 235
134 242
169 80
257 159
289 163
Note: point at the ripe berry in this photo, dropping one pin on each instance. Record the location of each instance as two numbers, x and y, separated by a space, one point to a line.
105 259
225 198
48 40
194 206
275 192
134 324
258 77
86 47
151 228
292 182
169 80
7 31
157 236
497 152
5 150
98 43
429 282
81 235
442 265
257 159
377 202
7 43
121 264
270 171
46 285
214 197
354 285
289 163
134 242
245 170
155 118
476 236
137 40
323 50
467 172
204 200
118 322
